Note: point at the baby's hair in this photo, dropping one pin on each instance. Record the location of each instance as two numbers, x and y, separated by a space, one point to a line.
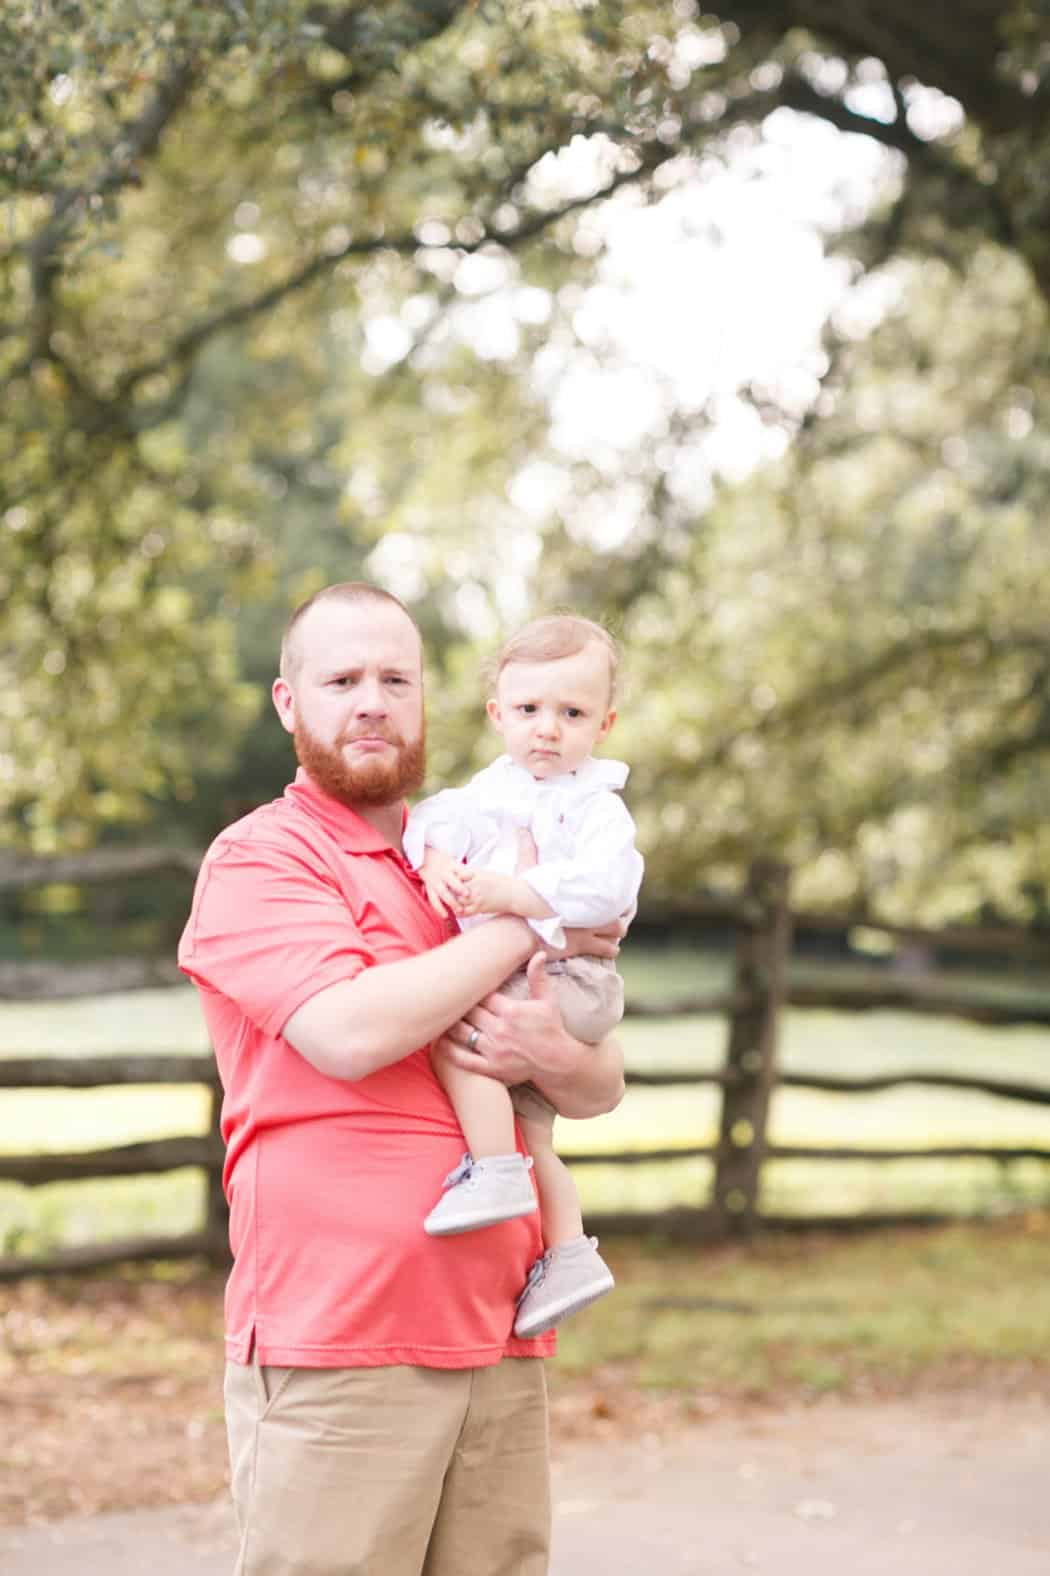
549 639
344 591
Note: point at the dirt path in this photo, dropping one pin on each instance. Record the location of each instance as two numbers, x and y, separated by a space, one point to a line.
948 1485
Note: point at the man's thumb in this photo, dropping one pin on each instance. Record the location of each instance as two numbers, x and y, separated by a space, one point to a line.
537 976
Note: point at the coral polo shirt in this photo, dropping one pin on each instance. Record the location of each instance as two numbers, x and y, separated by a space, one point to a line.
329 1181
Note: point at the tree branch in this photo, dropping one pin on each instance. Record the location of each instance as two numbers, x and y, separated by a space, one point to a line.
954 48
846 687
192 339
140 138
795 92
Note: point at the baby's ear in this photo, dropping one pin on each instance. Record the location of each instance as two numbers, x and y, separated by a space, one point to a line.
494 715
610 718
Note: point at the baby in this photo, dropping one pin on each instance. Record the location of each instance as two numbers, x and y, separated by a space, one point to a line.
554 699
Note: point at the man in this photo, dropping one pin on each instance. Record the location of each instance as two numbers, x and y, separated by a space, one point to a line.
377 1424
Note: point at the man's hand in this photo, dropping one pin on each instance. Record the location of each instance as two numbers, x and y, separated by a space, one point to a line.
525 1041
442 876
510 1035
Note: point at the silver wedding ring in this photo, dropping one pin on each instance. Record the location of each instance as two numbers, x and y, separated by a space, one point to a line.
472 1038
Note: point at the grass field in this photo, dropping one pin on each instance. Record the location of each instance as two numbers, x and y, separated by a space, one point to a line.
113 1381
32 1220
817 1313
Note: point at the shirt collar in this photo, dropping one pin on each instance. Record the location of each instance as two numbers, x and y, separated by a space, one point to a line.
351 831
597 771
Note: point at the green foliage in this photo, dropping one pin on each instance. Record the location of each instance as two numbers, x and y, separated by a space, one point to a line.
246 253
206 209
863 627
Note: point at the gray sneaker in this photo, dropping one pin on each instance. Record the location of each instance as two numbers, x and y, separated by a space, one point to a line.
564 1280
482 1193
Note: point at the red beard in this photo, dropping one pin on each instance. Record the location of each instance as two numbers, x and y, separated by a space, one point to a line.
377 781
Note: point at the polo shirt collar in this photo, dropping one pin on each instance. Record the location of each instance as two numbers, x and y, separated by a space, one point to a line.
353 834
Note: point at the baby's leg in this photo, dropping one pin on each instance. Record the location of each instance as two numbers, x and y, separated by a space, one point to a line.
572 1273
559 1200
590 996
482 1106
492 1182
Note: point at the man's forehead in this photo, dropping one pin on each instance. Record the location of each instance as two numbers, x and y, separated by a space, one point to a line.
342 633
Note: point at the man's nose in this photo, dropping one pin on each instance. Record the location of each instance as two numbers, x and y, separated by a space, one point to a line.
370 699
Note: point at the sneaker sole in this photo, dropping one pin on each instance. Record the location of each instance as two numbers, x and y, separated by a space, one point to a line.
541 1322
455 1225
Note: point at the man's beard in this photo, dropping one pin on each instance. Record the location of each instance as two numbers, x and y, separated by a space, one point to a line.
377 780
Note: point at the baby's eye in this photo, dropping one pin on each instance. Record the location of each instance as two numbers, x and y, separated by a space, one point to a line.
573 712
527 709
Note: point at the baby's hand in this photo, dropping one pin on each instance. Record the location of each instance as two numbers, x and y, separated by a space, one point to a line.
443 878
487 892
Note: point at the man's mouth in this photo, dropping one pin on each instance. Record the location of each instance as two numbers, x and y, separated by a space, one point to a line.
372 741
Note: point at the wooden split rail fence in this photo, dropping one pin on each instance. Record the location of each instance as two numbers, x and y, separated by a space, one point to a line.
759 992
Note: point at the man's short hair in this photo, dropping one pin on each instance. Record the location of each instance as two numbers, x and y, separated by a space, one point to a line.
350 591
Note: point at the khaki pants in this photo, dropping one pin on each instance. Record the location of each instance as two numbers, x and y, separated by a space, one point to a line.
395 1471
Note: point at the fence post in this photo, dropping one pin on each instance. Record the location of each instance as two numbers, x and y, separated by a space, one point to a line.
760 981
216 1209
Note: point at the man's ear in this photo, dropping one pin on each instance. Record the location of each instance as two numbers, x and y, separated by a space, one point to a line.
284 704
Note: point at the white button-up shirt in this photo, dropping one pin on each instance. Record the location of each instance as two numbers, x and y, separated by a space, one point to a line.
588 871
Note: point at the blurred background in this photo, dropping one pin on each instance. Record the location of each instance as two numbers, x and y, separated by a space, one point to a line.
725 324
726 327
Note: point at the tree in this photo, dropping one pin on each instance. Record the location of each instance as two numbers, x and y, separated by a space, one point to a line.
850 665
208 204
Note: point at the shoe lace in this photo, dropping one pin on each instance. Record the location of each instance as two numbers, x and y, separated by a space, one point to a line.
537 1273
461 1172
466 1168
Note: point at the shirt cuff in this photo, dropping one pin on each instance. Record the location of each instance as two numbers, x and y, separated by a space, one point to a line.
549 929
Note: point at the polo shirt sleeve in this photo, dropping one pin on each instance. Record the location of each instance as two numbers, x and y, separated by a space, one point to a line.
268 930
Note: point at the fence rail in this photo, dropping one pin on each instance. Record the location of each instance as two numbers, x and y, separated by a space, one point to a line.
752 1007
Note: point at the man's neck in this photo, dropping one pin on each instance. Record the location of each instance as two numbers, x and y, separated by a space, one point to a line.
386 818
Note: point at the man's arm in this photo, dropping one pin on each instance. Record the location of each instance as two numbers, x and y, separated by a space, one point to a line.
525 1041
374 1019
591 1085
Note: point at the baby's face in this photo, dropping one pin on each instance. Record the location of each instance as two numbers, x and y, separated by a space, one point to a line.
552 714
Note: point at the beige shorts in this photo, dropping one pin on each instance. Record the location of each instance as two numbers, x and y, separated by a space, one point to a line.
394 1471
590 999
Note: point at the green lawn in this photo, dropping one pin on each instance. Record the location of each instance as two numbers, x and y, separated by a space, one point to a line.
813 1313
166 1021
687 1330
